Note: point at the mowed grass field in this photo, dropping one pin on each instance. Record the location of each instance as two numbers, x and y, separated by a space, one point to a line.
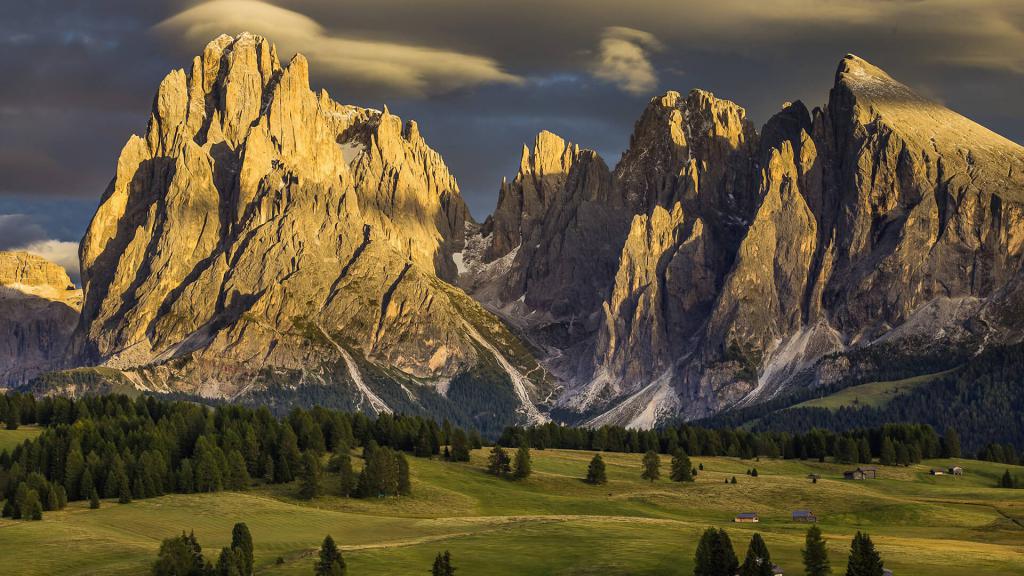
554 523
11 438
873 394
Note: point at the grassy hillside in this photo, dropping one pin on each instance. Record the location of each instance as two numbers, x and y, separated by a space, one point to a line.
874 394
11 438
553 523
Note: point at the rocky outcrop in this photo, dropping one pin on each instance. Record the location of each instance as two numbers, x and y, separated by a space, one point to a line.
38 311
261 229
881 219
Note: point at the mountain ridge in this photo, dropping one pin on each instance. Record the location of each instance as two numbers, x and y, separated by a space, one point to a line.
262 238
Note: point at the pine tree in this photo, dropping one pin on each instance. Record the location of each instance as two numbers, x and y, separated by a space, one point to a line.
733 480
13 416
94 499
404 484
595 471
1007 481
229 563
311 478
498 462
951 444
651 466
124 494
523 467
902 454
714 555
460 446
423 445
443 565
241 540
238 474
864 559
887 457
815 554
682 468
758 561
330 562
347 478
180 556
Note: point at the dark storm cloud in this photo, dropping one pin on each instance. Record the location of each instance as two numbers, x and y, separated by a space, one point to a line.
482 78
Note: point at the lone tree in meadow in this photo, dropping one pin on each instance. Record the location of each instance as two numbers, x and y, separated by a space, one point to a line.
443 565
864 559
1007 480
651 466
498 462
94 499
682 468
241 540
815 554
330 562
523 467
595 471
758 561
714 555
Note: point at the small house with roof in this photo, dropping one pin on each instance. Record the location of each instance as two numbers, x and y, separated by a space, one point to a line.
861 473
747 517
804 516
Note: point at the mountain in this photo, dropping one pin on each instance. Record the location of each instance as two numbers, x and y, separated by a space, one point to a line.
266 244
757 264
38 312
262 237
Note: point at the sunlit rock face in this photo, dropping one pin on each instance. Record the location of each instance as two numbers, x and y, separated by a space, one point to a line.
881 219
261 228
38 312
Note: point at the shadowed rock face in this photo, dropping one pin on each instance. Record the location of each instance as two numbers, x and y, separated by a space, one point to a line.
38 311
883 217
261 226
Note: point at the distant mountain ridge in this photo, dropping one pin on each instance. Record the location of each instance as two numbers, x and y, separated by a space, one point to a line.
265 243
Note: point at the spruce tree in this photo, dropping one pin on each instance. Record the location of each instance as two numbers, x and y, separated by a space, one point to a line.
887 457
443 565
404 483
330 562
229 563
864 559
498 462
124 494
1007 480
951 444
758 561
311 479
180 556
523 467
241 540
815 554
682 468
347 478
714 555
94 499
595 471
238 473
651 466
423 444
460 446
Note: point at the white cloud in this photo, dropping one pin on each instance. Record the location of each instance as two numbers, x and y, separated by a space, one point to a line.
624 59
18 233
403 68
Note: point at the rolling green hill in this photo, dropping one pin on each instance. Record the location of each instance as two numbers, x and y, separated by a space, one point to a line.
11 438
874 394
553 523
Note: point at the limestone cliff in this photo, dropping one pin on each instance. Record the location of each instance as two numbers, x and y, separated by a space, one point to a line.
38 311
263 234
880 219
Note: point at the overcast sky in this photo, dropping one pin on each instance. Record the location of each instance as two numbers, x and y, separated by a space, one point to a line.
481 77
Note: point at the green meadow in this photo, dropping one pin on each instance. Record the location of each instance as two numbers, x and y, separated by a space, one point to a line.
554 523
873 394
11 438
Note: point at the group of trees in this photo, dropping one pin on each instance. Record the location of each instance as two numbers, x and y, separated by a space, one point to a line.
500 464
183 556
118 447
892 443
715 556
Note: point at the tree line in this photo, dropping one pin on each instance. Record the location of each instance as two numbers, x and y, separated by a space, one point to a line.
891 444
118 447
